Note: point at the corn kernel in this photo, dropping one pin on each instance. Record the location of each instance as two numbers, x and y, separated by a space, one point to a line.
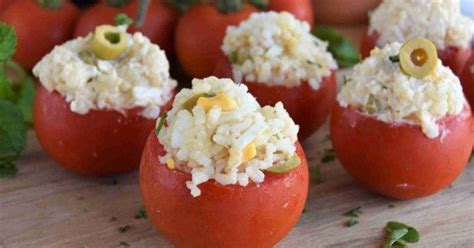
170 163
223 101
249 152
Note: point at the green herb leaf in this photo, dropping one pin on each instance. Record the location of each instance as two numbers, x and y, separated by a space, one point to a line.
354 212
412 236
12 137
352 221
395 236
346 80
315 173
394 58
161 123
191 102
123 19
7 42
124 228
141 214
340 47
25 99
328 155
124 244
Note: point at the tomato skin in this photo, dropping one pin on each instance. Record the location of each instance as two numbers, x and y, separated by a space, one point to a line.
99 142
301 9
38 29
4 4
222 216
199 36
467 80
399 161
452 57
309 108
159 24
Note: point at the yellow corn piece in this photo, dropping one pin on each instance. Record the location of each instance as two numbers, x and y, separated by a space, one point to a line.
249 152
222 100
170 163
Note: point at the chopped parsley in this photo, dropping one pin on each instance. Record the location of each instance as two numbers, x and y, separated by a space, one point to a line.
123 19
124 228
124 244
353 214
113 219
315 173
161 123
399 234
141 214
328 155
394 58
346 80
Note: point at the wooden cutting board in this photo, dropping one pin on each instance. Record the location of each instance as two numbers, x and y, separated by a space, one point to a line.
47 206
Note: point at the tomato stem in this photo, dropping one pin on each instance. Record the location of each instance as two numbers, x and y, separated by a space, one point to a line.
117 3
50 4
228 6
141 13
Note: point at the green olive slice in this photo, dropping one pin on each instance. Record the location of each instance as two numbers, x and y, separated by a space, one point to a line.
287 166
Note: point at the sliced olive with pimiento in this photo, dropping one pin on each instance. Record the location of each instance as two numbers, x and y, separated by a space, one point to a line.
108 42
285 167
418 57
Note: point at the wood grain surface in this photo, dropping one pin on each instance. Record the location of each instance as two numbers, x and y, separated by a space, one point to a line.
47 206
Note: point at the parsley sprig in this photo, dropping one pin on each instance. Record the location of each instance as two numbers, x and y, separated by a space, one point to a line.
400 234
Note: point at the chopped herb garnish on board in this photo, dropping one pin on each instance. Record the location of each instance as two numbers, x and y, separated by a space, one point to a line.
399 234
391 206
328 155
124 244
113 219
353 214
141 214
394 58
315 173
124 228
161 123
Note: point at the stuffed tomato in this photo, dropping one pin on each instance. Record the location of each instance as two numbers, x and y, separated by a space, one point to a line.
276 56
222 171
467 80
99 99
441 22
401 126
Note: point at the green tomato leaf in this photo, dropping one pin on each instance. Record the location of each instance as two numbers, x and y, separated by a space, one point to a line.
12 137
25 98
340 47
7 42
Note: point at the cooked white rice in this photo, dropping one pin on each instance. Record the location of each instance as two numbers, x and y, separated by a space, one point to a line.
276 48
138 78
379 88
210 145
440 21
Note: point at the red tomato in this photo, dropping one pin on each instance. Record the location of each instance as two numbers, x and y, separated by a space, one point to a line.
399 161
159 24
301 9
99 142
343 12
4 4
38 29
199 36
258 215
309 108
452 57
467 80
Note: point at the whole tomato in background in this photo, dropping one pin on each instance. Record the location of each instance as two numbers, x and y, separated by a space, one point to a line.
467 80
301 9
343 12
200 32
453 57
4 4
39 26
223 215
159 23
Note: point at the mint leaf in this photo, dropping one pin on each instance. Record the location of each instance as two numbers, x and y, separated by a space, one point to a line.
340 47
7 42
25 99
12 137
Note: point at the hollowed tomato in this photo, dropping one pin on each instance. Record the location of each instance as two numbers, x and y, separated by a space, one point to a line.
258 215
399 160
100 142
467 80
309 108
452 57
